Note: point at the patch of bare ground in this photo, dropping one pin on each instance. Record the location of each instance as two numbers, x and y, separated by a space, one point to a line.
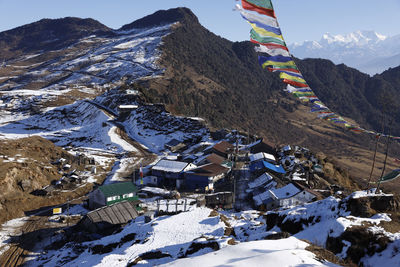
323 255
394 225
72 96
361 241
149 256
27 165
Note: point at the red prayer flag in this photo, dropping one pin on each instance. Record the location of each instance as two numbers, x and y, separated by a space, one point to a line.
261 10
298 84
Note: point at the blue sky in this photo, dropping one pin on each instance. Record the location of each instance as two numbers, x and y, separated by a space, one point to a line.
299 19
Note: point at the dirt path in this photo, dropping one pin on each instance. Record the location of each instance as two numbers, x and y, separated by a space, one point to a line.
142 155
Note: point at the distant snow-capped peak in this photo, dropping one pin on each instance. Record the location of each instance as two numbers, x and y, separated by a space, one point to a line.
356 38
368 51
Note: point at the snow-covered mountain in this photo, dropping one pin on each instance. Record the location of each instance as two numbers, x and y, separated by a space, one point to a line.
367 51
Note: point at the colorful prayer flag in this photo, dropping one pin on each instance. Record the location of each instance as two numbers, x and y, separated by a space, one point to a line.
266 32
272 52
270 45
287 74
263 7
265 39
294 83
254 18
283 69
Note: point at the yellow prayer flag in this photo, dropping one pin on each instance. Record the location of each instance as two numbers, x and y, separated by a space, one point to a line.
283 75
264 32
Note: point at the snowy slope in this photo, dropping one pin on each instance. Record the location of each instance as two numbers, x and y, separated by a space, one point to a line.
32 83
154 129
177 236
367 51
129 54
208 238
283 252
80 125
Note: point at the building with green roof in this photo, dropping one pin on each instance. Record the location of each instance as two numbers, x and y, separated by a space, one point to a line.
112 193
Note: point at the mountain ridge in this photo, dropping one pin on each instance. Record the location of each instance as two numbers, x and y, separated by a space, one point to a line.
367 51
47 34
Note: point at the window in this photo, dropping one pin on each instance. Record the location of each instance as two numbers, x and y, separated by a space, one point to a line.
109 199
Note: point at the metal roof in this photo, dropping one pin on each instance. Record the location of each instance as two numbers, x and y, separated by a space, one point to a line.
262 155
118 213
210 169
287 191
223 146
117 189
170 166
275 168
263 179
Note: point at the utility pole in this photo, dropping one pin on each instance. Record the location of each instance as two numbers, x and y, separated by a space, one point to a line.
67 212
373 161
384 164
387 103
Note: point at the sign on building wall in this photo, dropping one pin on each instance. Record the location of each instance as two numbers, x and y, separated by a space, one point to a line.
57 211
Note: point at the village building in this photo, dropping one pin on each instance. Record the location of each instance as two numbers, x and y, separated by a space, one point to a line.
284 197
221 200
223 149
262 180
261 166
148 181
262 146
218 135
107 217
171 172
204 176
262 156
210 158
174 145
149 192
112 193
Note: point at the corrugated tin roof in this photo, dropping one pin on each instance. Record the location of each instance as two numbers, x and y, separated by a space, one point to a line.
275 168
262 155
155 190
210 169
223 146
170 166
214 158
118 213
263 179
117 189
285 192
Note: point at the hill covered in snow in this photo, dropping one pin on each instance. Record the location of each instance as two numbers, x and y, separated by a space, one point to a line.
367 51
